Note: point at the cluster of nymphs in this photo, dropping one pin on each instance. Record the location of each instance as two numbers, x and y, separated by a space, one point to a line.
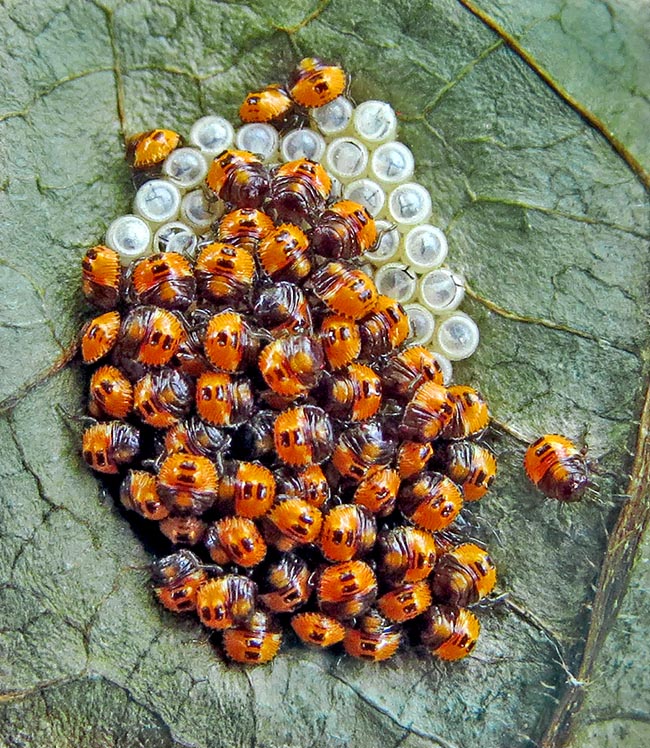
265 406
365 164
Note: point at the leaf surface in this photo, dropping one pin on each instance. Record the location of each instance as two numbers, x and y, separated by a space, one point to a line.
550 226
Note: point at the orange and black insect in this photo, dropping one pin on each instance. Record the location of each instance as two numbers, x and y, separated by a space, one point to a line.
229 343
271 104
287 584
557 467
344 231
111 393
407 370
148 149
360 448
293 522
196 437
377 492
299 190
405 602
284 253
345 289
176 579
235 540
226 601
187 483
99 335
346 590
406 554
470 416
247 488
292 365
107 446
348 532
283 309
240 178
164 279
102 277
384 329
448 632
353 394
244 227
470 465
314 83
163 397
183 529
317 629
373 638
139 493
149 336
308 483
463 575
303 436
413 457
427 413
430 500
254 642
341 340
223 400
224 272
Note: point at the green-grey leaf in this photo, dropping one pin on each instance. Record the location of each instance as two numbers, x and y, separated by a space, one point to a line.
596 51
547 220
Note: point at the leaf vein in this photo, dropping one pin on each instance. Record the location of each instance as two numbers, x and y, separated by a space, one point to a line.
595 122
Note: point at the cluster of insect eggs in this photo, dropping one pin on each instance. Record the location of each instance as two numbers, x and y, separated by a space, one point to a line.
314 459
358 148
